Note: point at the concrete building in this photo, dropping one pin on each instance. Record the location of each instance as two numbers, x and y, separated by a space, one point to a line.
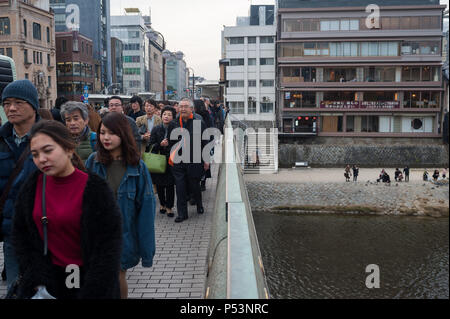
131 30
156 61
74 64
117 65
27 35
344 72
92 19
249 47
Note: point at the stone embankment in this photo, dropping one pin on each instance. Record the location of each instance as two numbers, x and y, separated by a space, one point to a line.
415 198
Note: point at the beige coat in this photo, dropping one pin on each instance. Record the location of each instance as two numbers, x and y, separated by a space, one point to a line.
142 121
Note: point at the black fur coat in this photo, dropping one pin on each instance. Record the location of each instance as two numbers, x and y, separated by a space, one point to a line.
101 240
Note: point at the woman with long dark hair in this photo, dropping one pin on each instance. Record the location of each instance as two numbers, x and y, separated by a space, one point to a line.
118 161
65 216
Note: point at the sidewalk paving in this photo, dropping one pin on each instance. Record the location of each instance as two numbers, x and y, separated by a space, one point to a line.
180 263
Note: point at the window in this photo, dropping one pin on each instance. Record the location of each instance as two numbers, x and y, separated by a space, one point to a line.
252 61
132 59
252 83
236 62
49 81
251 107
266 83
132 47
237 40
266 40
82 46
37 31
48 60
237 107
64 46
26 76
2 51
5 27
25 32
236 83
76 69
75 45
266 107
251 40
48 34
267 61
40 57
25 56
299 99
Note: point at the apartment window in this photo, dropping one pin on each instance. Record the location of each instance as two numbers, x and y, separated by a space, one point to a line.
266 83
266 61
237 40
252 61
48 34
251 40
251 83
49 79
251 107
37 31
236 62
26 76
379 74
64 46
25 31
237 107
5 27
82 47
266 40
266 107
25 56
236 83
132 59
2 51
48 60
40 57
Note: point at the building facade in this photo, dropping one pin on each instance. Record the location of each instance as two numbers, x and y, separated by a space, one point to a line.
344 72
131 30
92 19
74 65
176 80
27 36
250 74
117 65
156 62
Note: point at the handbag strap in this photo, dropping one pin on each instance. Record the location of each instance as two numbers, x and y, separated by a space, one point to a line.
44 219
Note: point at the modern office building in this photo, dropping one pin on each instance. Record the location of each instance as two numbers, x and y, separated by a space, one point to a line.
117 65
249 49
27 36
74 64
346 72
92 19
131 30
176 80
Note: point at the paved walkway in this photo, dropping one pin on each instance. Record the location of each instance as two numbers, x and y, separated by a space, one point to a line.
180 263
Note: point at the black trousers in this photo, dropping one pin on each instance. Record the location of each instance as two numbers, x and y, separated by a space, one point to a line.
166 195
186 183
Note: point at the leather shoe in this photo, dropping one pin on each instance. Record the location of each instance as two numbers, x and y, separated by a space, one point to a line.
200 210
179 219
192 201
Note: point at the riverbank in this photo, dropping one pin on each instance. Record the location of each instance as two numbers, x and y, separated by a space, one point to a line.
325 191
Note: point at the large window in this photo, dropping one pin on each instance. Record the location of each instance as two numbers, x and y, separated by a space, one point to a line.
420 48
25 28
132 71
236 40
251 40
267 61
132 47
236 62
339 74
5 27
132 59
421 99
339 96
37 31
237 107
420 73
363 123
379 74
266 83
251 61
266 39
379 96
236 83
299 99
266 107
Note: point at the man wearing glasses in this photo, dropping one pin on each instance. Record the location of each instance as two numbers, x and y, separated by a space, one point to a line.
115 104
20 102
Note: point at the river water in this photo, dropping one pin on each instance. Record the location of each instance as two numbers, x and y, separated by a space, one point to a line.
325 256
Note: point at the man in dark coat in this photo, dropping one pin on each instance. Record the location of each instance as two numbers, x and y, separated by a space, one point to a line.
186 158
20 101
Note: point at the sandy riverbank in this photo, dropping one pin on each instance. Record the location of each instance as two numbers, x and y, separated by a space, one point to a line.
324 190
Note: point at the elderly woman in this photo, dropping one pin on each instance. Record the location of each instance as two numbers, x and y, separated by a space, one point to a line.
76 117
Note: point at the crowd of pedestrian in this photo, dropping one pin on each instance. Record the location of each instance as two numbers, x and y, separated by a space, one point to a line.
76 191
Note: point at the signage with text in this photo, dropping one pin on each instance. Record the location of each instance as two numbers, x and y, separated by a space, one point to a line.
360 104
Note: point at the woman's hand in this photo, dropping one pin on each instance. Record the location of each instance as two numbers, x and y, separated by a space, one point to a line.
165 142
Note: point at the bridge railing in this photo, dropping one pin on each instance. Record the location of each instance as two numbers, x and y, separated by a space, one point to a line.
235 268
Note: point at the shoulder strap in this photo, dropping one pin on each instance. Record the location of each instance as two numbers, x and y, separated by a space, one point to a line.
12 177
44 214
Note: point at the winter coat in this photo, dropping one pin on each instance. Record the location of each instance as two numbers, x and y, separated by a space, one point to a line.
158 134
100 242
142 124
86 144
137 203
9 155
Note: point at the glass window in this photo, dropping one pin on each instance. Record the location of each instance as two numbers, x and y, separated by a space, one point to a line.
267 61
9 52
251 40
354 25
266 83
252 83
300 99
323 48
426 73
25 31
334 25
325 25
25 56
309 48
266 40
5 27
252 61
236 62
48 34
365 49
266 107
373 49
64 46
251 107
76 68
415 23
237 40
36 31
236 83
436 73
345 25
237 107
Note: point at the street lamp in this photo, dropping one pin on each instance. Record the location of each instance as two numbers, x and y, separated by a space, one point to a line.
153 35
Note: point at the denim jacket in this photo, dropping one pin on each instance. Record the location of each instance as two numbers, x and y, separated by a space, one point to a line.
136 201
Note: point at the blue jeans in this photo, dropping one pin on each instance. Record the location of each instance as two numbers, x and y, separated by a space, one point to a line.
11 264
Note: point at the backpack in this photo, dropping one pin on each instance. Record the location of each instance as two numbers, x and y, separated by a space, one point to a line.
93 140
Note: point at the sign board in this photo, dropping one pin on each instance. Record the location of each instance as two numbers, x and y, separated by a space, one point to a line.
360 104
86 94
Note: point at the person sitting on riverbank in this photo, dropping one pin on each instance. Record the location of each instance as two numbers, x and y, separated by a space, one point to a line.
397 174
444 173
386 178
425 175
435 175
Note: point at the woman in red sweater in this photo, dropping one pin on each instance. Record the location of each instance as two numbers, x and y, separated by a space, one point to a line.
70 245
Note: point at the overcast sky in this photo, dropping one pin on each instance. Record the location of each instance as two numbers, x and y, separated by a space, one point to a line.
194 26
